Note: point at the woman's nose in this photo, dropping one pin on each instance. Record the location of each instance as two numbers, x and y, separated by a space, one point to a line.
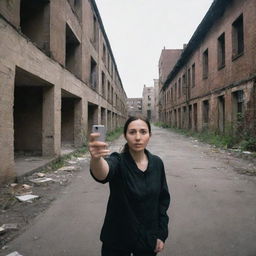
137 136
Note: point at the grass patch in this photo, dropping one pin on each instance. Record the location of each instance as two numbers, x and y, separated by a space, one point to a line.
225 141
220 141
114 134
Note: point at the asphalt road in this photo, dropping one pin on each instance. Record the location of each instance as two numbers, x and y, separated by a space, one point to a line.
213 209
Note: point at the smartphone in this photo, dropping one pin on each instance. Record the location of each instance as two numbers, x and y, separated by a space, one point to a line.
98 128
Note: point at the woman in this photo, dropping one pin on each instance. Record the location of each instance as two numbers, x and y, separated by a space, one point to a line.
136 220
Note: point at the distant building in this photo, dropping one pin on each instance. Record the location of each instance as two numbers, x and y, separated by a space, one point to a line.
212 84
134 106
156 99
148 100
167 61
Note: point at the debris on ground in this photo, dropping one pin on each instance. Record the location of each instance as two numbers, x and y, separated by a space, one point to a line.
20 189
27 198
2 230
40 174
68 168
40 194
14 254
81 159
41 180
9 226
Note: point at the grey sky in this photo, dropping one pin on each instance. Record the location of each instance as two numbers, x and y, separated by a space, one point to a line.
139 29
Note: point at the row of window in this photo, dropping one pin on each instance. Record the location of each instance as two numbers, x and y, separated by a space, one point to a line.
73 54
237 111
184 83
107 90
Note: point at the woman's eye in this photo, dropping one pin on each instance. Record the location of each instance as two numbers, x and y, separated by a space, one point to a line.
143 132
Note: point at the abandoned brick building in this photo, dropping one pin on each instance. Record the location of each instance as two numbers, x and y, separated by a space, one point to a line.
58 76
212 84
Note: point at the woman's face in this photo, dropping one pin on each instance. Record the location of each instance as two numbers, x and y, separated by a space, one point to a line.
137 135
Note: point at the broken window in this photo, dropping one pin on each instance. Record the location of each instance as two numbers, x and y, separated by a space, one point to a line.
205 64
221 51
35 22
93 74
238 37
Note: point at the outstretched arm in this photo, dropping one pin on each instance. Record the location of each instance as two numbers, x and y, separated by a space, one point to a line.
98 165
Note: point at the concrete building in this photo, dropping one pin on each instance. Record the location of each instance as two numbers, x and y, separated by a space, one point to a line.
212 85
148 103
134 106
156 99
167 61
58 76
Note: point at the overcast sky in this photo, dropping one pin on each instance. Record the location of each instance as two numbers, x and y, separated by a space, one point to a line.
138 30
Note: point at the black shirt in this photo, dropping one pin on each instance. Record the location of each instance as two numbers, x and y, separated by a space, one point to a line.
138 202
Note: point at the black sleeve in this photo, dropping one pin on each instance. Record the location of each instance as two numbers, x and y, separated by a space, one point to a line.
164 202
113 163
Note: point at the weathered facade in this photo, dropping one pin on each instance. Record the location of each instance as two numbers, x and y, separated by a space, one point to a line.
148 103
134 106
212 85
58 76
156 99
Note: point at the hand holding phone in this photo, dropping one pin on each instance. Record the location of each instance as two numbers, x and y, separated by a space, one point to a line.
97 144
98 128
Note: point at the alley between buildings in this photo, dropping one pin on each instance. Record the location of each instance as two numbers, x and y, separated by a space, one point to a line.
212 210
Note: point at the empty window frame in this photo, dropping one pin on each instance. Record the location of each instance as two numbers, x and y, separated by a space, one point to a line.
238 37
76 5
109 92
95 32
206 111
35 22
175 91
238 104
104 53
179 87
103 84
189 78
205 64
193 81
93 74
73 56
184 84
221 51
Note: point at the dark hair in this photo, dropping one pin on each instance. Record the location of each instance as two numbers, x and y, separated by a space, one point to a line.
128 121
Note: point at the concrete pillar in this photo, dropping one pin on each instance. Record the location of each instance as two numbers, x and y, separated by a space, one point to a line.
78 127
7 77
51 139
